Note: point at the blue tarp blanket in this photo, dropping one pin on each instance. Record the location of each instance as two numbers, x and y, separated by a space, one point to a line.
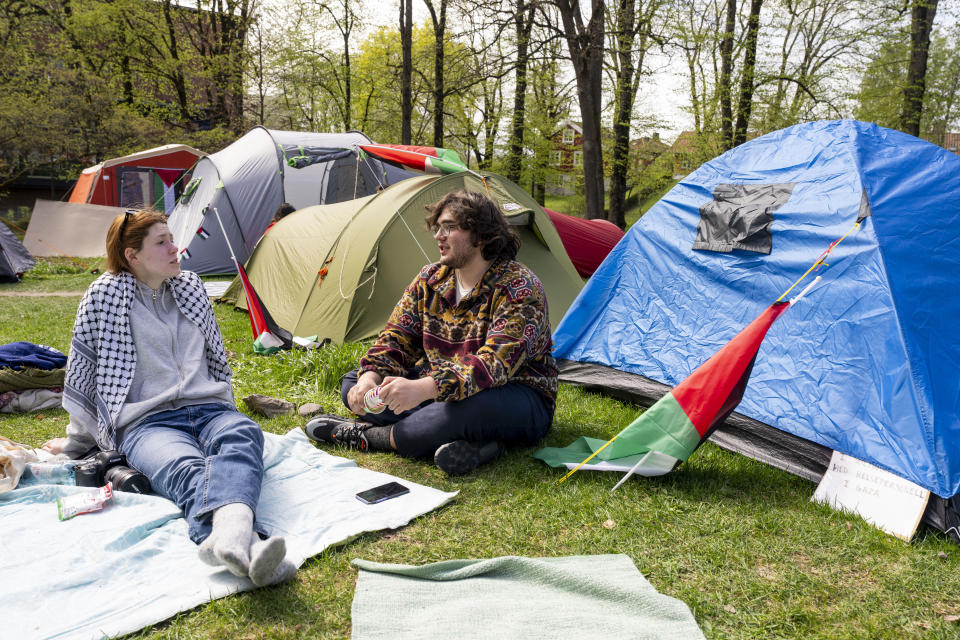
131 565
27 354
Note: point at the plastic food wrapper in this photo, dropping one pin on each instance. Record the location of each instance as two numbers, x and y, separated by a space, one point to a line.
86 502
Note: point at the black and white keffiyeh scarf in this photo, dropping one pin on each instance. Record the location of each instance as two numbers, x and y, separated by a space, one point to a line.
102 356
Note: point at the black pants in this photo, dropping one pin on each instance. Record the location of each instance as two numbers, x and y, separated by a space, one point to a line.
513 413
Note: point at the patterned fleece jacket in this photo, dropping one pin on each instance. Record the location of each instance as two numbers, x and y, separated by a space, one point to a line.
498 333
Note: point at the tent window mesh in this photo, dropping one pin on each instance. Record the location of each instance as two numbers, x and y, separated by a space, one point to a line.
739 217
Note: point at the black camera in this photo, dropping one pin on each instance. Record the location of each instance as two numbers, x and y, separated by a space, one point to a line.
111 466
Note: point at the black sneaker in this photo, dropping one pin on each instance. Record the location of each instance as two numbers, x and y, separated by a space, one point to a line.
338 431
461 456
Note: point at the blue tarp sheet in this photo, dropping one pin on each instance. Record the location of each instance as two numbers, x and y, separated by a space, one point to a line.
131 565
869 363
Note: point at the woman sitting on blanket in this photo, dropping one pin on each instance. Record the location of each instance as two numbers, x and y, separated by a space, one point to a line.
148 375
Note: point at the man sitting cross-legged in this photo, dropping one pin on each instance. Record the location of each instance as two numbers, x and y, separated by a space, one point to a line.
464 362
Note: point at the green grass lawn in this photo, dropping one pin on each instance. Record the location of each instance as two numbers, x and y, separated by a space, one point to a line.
738 541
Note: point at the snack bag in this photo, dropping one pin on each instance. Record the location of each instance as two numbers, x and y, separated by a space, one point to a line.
86 502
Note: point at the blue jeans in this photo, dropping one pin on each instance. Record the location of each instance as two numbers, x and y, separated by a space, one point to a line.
201 457
512 414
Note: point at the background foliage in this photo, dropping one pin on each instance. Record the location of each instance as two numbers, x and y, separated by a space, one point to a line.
84 80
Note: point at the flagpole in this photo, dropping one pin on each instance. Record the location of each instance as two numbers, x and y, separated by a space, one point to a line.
819 260
592 456
233 256
632 470
255 324
805 291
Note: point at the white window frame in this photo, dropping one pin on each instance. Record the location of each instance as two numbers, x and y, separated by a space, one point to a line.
578 158
556 157
569 135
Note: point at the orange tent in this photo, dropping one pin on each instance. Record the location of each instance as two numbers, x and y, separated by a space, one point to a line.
149 178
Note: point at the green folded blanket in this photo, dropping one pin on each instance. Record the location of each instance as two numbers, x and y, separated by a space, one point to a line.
514 597
30 378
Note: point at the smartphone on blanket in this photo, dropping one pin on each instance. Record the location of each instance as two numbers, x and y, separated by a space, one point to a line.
383 492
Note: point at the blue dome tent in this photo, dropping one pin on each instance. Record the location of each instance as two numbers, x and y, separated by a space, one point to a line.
868 364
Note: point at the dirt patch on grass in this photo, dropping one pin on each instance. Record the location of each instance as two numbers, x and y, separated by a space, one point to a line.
38 294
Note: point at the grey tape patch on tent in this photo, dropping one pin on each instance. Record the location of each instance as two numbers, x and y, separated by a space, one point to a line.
739 217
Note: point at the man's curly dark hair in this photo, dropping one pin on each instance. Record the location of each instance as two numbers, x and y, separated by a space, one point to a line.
480 215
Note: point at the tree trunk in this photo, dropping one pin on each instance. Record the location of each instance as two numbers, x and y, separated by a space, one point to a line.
345 31
439 20
921 23
406 70
745 102
585 45
177 77
623 112
726 70
523 20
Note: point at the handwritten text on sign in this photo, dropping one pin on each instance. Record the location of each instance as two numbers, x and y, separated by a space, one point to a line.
884 500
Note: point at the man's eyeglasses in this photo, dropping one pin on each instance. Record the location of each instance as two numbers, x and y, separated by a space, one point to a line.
444 228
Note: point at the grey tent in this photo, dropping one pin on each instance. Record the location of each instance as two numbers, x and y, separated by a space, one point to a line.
247 181
14 257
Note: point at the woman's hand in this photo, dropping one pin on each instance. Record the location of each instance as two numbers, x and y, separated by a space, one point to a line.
365 382
402 394
55 445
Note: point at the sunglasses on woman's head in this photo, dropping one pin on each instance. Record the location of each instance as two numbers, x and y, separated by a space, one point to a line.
126 216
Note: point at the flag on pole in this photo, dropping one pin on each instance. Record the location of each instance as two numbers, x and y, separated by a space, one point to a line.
676 425
268 336
415 158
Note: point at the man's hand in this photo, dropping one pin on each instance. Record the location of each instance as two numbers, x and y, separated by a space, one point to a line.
365 382
401 394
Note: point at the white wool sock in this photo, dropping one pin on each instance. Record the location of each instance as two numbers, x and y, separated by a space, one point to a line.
266 556
285 572
229 543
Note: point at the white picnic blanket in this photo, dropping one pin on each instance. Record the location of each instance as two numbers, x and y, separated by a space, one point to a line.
132 564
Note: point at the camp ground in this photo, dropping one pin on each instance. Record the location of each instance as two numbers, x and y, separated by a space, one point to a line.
337 270
152 178
866 365
721 546
249 179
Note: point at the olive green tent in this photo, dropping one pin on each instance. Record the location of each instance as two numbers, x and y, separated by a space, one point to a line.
337 270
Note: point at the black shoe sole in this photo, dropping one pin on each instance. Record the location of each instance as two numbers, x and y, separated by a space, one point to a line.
460 456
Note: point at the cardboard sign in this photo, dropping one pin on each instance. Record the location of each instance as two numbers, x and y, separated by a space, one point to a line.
884 500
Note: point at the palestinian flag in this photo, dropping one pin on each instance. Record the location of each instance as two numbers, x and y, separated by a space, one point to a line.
676 425
267 334
414 158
